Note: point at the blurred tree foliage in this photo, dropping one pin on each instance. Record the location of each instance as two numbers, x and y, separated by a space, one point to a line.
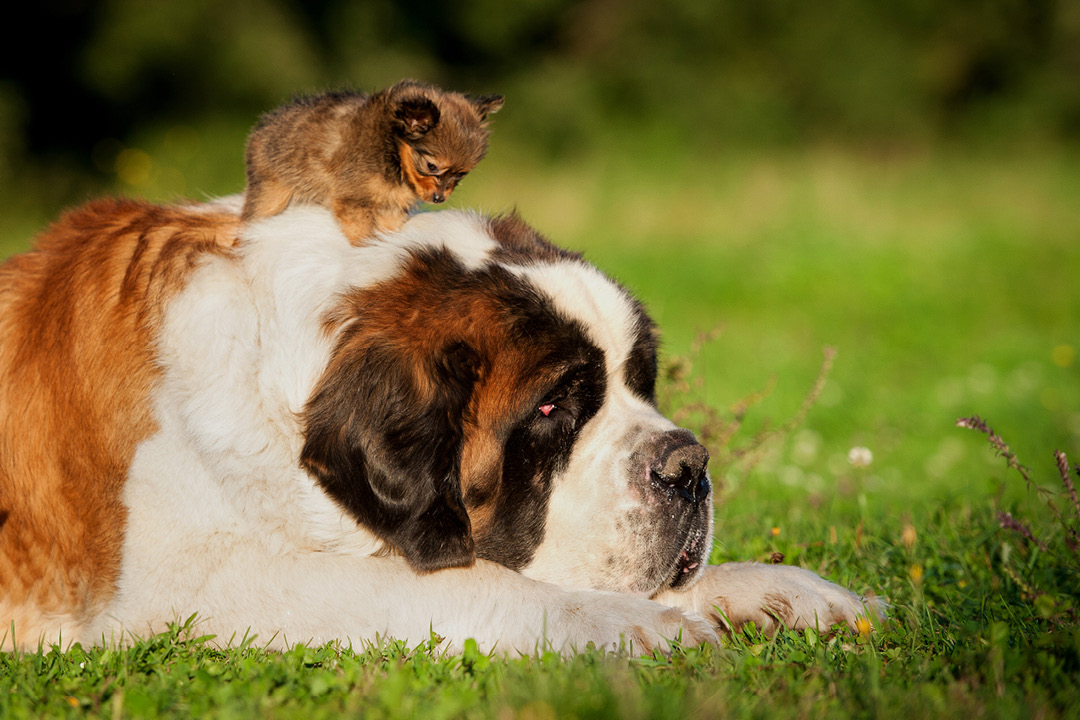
91 79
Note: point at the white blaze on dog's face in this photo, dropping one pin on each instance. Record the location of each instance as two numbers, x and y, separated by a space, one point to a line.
632 512
495 399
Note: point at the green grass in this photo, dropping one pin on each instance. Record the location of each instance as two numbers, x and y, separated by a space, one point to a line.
947 285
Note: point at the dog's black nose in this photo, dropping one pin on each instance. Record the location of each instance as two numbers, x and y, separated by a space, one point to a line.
438 198
681 466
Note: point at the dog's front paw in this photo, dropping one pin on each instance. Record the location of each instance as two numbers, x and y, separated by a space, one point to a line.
614 621
772 596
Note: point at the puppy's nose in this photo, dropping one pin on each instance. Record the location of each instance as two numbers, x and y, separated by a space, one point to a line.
438 197
681 466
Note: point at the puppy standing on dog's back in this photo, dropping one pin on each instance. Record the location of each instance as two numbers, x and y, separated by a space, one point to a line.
368 158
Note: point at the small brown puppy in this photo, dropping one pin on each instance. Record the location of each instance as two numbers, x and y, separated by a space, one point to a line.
368 158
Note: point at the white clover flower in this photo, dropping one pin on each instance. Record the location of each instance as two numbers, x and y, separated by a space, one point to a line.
860 456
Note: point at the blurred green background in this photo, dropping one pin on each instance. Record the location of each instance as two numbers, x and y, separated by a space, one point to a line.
898 180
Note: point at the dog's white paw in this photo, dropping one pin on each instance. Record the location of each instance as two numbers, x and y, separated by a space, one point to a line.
614 621
772 596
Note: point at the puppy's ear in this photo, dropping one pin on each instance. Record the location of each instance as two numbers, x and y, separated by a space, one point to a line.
384 436
415 117
486 105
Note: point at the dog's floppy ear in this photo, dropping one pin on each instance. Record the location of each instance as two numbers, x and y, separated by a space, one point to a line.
486 105
415 117
383 436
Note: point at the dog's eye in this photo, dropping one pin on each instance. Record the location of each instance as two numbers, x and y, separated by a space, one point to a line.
432 168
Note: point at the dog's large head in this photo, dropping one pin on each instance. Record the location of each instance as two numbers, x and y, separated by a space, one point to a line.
494 398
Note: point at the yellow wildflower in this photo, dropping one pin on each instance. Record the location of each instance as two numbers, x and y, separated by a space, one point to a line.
916 573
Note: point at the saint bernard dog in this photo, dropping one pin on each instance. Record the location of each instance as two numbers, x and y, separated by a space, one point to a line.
451 429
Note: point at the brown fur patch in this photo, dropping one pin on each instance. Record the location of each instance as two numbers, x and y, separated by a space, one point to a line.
423 185
639 643
719 614
519 242
441 313
777 607
78 316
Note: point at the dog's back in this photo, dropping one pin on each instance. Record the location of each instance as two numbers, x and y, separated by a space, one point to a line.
74 329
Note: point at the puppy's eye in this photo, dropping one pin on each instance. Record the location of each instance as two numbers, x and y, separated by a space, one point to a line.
432 168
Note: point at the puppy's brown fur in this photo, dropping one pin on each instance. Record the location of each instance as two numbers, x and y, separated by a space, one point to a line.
368 158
